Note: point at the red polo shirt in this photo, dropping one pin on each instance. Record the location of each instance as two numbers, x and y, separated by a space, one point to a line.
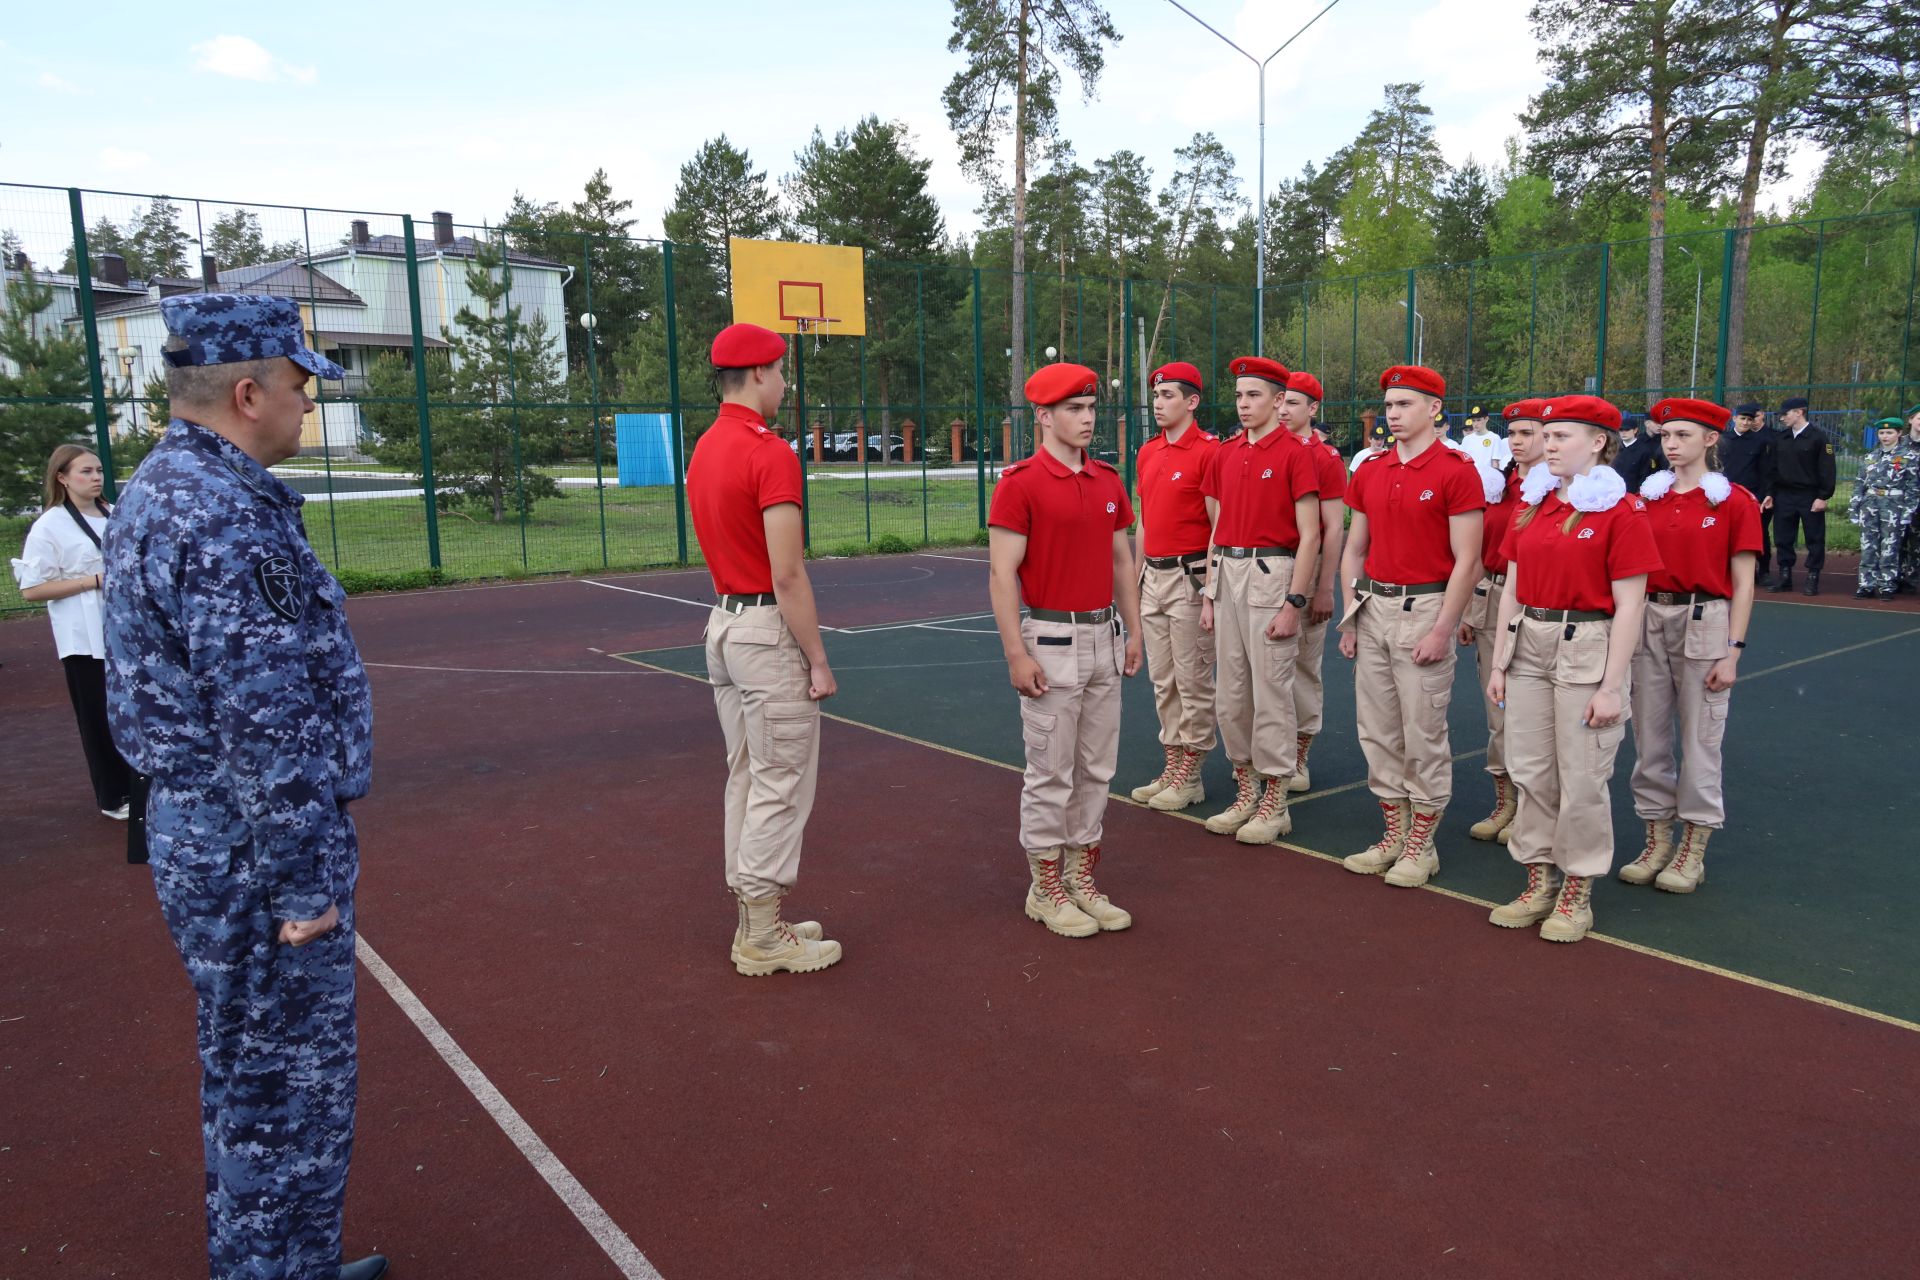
1329 468
1408 506
1577 570
1493 551
739 468
1170 499
1697 540
1069 518
1256 485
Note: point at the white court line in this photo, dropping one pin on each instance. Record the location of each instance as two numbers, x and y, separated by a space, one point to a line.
934 555
500 671
698 604
623 1253
960 631
906 626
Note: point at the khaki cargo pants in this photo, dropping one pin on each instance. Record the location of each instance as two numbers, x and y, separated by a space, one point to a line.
1679 777
1400 707
1561 768
772 731
1179 657
1072 732
1483 615
1253 693
1309 671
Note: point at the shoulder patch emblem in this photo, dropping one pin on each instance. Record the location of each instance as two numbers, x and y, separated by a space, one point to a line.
279 580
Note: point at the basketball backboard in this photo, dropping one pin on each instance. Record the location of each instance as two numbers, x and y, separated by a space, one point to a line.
799 288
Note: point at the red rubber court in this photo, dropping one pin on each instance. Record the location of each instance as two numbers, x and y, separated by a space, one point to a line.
1282 1069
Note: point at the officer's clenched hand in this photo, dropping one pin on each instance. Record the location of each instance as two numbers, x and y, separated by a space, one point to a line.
298 933
820 682
1284 623
1136 654
1206 614
1723 673
1349 644
1322 607
1466 633
1025 675
1432 647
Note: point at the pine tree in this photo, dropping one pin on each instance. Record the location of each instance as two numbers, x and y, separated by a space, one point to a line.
158 243
719 196
1125 226
48 363
1463 214
1203 188
236 240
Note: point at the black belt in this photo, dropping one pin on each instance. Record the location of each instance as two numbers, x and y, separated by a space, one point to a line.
1394 590
734 604
1566 615
1497 579
1253 553
1072 615
1177 562
1682 597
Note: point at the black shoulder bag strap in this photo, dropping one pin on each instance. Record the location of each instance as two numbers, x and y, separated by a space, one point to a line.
85 527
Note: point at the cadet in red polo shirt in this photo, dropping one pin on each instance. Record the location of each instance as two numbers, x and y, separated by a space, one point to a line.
764 656
1412 557
1480 626
1059 542
1176 521
1699 603
1298 410
1578 558
1265 538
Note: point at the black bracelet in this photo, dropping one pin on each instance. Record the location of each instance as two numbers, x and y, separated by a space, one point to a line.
1738 644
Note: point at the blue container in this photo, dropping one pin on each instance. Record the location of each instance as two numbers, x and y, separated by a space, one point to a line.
643 448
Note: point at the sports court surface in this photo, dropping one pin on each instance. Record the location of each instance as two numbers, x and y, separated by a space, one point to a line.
1282 1069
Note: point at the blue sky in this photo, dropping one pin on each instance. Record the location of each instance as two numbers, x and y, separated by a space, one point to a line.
456 106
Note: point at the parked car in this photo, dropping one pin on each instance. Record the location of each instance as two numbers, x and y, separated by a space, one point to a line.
886 448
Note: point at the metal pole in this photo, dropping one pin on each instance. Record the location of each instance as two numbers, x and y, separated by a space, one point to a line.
1126 383
800 411
1533 319
860 443
1353 352
1467 378
593 394
421 404
1813 325
1412 298
979 406
1693 366
1600 324
1726 316
90 329
920 314
675 415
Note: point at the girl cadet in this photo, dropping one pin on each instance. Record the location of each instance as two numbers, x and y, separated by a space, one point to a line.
60 566
1479 627
1578 560
1699 601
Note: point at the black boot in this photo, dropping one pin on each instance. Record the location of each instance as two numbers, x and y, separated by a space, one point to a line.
1863 592
1813 583
365 1269
1888 593
1783 581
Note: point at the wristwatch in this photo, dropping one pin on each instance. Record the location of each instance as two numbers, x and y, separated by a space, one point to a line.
1296 600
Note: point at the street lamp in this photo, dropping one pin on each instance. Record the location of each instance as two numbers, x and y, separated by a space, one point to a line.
1419 334
127 356
1693 370
1260 259
1052 353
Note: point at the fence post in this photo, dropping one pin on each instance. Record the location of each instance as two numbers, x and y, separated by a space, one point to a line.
1600 322
1813 323
89 324
593 391
1468 389
979 406
1533 316
926 427
1726 316
1413 299
420 393
675 416
1128 372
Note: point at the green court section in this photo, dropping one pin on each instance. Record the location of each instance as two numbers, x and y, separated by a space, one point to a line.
1809 886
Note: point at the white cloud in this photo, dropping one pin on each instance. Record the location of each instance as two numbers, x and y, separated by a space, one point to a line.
48 80
120 160
240 58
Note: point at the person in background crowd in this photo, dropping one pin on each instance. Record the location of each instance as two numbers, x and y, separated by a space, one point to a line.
1804 481
1579 557
1699 604
1379 440
1747 459
1884 500
1480 442
1298 411
1908 578
1639 451
61 566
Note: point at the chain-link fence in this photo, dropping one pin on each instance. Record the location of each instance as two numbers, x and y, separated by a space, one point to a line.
523 400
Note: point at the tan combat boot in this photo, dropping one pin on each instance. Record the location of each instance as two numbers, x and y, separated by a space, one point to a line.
1184 786
1688 870
1148 790
1048 901
771 945
808 929
1381 854
1419 861
1270 818
1654 857
1301 780
1535 903
1246 798
1084 894
1506 803
1572 915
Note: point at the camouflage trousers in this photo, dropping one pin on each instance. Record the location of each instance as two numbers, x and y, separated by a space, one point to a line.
278 1060
1882 531
1910 552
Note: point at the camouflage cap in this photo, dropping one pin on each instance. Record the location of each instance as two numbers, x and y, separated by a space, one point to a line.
227 328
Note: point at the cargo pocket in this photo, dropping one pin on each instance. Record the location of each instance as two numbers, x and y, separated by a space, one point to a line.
790 728
1713 724
1037 729
1268 581
1707 636
1055 647
1583 659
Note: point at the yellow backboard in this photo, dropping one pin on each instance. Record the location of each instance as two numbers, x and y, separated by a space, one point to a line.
799 288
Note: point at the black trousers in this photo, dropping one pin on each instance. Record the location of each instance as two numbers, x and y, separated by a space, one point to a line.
1793 515
114 783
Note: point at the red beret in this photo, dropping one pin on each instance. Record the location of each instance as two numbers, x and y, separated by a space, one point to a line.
1414 377
1052 383
1680 409
1178 371
1307 385
1528 410
746 346
1259 367
1591 410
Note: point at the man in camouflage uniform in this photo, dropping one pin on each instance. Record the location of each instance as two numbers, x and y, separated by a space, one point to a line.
1884 499
236 685
1909 577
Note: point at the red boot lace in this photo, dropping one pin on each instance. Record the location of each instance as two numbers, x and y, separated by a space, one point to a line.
1050 882
1417 834
1179 767
1274 800
1569 899
1243 786
1683 856
1083 873
1392 812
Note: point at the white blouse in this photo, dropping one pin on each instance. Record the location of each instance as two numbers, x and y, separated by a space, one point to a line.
55 551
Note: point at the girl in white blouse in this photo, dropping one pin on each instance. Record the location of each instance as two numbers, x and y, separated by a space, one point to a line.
61 566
